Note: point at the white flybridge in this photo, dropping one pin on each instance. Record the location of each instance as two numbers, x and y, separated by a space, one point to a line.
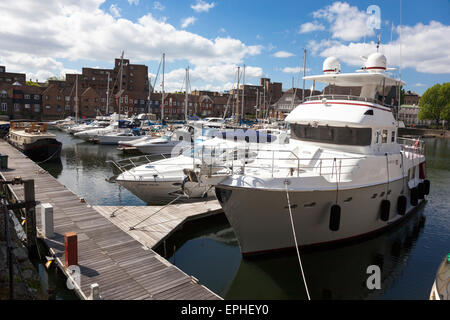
343 174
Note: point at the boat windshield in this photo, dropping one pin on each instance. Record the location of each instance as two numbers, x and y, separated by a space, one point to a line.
334 135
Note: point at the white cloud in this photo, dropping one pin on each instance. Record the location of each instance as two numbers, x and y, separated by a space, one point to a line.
135 2
346 22
310 27
420 84
79 30
115 10
187 21
222 30
202 6
294 69
283 54
158 6
425 48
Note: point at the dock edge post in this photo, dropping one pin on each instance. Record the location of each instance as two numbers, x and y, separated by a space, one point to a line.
47 220
71 249
95 292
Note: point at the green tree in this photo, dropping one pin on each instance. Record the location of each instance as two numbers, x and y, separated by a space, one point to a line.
434 103
31 83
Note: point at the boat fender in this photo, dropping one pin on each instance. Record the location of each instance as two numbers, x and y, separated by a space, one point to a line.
426 185
414 196
385 209
401 205
421 191
335 217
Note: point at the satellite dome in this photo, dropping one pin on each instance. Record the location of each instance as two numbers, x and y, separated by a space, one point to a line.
376 63
331 65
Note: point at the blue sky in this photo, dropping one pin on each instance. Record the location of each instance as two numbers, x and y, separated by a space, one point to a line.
262 34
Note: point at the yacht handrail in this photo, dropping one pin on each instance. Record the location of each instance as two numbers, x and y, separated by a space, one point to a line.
345 97
411 147
133 162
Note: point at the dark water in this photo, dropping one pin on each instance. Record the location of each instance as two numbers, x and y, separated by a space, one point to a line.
408 255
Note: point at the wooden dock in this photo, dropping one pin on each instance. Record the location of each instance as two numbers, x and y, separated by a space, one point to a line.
107 255
155 223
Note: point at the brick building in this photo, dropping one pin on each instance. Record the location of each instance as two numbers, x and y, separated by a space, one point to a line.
10 77
266 94
411 98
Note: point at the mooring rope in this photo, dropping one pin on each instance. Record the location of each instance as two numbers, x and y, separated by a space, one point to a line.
295 240
133 227
48 158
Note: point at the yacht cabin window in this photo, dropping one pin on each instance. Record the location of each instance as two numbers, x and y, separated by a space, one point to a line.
384 136
333 135
393 136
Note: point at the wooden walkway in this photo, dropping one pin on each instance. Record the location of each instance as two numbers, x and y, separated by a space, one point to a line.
122 266
159 223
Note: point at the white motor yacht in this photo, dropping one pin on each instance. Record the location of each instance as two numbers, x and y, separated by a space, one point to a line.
344 173
163 180
166 143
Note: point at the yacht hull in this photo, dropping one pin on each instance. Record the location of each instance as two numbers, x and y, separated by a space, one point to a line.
162 192
261 218
114 140
41 150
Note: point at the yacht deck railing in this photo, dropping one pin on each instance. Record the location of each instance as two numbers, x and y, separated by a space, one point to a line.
345 97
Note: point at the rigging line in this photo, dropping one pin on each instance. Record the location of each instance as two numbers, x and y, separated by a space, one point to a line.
157 74
403 173
295 239
387 170
133 227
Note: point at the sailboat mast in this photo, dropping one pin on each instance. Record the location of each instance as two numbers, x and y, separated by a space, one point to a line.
120 85
107 96
186 99
257 104
149 95
162 99
243 91
237 97
304 74
76 99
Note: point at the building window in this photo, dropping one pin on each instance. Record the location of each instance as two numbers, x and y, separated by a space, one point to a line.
27 96
36 97
16 107
67 98
58 98
4 106
4 94
47 98
48 107
67 107
27 106
37 107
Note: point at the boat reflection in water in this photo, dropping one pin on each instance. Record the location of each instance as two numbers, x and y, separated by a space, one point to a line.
338 272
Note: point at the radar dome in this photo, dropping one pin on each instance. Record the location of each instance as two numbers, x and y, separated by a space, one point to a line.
376 63
331 65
